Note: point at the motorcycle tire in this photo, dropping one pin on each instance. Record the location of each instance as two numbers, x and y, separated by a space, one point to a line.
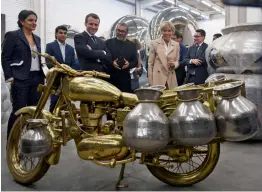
21 174
192 177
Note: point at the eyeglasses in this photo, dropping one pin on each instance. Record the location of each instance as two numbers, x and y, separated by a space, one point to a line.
62 33
196 36
121 31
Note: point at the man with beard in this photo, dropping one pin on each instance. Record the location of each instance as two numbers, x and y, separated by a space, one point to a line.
124 56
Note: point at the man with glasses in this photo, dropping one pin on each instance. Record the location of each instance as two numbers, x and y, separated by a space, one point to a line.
124 58
63 53
91 50
195 59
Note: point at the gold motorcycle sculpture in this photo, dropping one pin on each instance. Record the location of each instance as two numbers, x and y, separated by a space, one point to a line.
38 135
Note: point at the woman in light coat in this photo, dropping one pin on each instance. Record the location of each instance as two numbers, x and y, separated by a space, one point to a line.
163 58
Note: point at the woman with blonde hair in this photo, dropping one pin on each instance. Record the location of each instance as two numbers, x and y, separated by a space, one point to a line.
163 58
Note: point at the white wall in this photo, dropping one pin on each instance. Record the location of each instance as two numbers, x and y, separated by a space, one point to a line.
73 13
254 14
11 9
211 27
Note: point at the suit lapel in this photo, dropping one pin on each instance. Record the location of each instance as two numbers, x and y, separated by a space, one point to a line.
23 38
58 50
90 41
66 52
161 53
171 47
200 50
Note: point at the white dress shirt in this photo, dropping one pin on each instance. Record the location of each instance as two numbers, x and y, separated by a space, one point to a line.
62 49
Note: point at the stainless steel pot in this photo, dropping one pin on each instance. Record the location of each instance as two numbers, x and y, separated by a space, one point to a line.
192 123
146 126
36 142
236 116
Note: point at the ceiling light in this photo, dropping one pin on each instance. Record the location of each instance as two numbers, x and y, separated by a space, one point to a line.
183 7
169 1
217 9
206 3
205 16
195 12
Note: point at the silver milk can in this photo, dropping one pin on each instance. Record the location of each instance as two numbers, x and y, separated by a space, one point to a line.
36 142
192 123
236 116
146 126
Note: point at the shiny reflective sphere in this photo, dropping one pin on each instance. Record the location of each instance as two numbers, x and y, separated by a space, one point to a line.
138 28
192 123
146 126
184 22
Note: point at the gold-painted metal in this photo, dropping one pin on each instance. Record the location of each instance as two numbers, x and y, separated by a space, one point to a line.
107 128
91 118
90 89
129 99
55 155
177 176
102 147
121 115
36 168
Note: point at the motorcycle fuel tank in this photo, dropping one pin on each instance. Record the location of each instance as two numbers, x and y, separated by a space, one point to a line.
90 89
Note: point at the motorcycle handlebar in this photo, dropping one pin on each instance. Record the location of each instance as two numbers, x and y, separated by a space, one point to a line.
98 74
70 70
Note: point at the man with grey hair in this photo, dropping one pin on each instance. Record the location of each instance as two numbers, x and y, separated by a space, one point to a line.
124 57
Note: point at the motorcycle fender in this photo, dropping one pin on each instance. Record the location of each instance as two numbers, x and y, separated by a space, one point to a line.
53 158
31 110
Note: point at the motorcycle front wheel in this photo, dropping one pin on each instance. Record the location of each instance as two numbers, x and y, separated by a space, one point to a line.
25 170
187 166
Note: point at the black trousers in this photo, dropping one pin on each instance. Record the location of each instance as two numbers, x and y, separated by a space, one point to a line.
24 93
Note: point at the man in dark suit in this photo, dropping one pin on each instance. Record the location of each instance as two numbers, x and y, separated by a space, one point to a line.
63 53
180 71
195 59
91 50
124 58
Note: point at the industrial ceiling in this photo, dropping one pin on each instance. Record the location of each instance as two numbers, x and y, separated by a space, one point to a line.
200 9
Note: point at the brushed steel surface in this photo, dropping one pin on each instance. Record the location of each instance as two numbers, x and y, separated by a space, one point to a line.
146 126
192 123
236 116
36 142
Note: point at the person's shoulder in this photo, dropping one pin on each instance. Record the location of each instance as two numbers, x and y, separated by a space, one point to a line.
110 40
70 47
79 34
51 43
11 33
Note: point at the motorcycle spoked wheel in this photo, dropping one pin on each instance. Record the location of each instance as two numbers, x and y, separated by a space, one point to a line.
25 170
205 160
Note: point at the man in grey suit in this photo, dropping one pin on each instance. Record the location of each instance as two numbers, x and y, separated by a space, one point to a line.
195 59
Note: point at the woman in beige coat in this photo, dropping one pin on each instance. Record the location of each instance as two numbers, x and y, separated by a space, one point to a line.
163 58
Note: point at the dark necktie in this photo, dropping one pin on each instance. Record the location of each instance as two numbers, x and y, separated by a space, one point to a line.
197 46
93 38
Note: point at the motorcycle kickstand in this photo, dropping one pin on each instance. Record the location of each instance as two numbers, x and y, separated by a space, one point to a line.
121 177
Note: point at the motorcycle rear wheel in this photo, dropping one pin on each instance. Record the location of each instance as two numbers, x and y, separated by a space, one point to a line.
188 178
17 163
